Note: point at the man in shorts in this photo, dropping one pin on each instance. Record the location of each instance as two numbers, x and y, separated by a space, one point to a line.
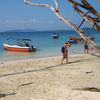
86 47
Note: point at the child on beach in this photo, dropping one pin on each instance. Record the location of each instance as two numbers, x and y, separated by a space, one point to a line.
64 51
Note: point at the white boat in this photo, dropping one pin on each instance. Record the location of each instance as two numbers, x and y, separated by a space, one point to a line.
54 36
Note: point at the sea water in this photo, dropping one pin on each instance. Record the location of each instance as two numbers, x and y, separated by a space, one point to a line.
45 44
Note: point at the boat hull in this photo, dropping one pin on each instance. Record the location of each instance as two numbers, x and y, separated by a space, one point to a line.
72 41
55 36
16 48
78 39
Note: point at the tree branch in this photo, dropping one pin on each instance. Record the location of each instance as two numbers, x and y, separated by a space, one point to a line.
36 4
56 4
90 8
56 12
86 5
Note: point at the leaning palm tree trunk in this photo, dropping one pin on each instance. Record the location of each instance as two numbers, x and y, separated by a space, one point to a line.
56 12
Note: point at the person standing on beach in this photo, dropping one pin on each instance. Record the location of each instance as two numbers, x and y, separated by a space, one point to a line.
86 47
64 51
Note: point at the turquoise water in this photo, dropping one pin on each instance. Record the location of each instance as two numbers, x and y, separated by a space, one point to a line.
47 46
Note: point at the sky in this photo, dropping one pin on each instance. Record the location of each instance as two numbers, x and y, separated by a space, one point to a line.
15 14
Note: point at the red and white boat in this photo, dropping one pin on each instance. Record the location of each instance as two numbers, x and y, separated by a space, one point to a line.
78 39
17 48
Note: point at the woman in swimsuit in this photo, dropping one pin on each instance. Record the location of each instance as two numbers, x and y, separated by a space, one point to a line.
64 51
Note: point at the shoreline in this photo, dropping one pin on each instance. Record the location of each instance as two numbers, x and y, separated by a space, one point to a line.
46 79
37 58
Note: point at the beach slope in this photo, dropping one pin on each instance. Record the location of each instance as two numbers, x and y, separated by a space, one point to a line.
47 79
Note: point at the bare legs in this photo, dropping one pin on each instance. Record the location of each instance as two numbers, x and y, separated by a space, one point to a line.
86 51
65 56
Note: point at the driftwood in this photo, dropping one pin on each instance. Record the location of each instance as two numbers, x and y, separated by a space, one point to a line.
55 10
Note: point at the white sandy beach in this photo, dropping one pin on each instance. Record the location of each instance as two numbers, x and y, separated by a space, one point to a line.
47 79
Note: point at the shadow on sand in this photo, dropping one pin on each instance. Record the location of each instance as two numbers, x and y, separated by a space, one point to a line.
92 89
39 69
4 95
96 55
